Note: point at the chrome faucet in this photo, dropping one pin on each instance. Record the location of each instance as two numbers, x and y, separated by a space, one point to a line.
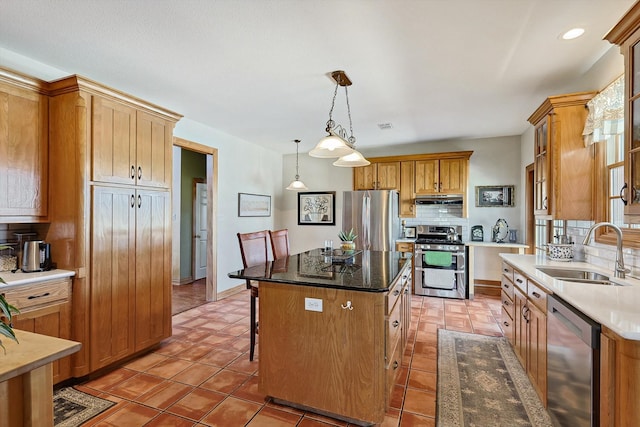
619 270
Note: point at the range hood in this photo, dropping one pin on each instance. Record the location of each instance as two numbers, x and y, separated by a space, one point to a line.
440 199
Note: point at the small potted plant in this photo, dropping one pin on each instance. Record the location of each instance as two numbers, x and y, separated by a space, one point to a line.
6 313
347 239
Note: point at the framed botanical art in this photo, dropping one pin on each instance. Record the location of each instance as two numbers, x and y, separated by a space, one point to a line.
317 208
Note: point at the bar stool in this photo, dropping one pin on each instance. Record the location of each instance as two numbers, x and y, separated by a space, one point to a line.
279 243
253 248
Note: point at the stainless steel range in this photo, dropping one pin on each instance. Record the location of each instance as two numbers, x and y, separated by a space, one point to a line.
440 262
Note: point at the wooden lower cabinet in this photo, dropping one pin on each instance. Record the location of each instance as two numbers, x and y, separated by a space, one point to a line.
130 296
530 332
45 308
338 361
619 380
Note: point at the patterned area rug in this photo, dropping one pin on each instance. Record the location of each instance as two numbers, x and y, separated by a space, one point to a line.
481 383
71 407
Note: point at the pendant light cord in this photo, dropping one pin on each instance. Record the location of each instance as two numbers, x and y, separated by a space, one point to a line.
297 141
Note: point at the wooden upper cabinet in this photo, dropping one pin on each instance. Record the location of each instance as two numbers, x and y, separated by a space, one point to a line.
377 176
626 34
441 176
563 166
407 195
23 149
130 146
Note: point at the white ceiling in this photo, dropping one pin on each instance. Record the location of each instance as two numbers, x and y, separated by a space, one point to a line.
257 69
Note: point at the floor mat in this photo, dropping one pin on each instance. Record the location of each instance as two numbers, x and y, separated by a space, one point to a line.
71 407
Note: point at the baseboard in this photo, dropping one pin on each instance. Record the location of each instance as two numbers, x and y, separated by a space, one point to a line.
231 291
487 287
182 281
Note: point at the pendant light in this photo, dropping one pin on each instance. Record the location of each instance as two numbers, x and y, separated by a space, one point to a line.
337 143
296 184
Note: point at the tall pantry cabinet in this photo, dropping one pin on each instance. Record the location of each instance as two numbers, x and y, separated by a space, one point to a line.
110 211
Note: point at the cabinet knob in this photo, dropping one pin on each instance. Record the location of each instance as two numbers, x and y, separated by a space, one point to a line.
348 306
139 172
535 294
622 191
396 323
133 172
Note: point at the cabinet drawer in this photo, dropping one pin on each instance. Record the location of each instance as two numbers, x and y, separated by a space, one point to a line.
507 287
507 271
30 297
404 247
394 328
537 296
507 304
520 281
394 294
393 367
507 324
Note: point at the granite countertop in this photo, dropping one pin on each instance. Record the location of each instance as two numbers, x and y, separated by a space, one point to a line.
616 307
370 271
19 278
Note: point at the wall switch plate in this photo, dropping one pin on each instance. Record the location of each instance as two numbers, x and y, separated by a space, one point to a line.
313 304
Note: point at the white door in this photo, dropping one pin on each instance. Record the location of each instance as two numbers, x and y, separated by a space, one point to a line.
200 232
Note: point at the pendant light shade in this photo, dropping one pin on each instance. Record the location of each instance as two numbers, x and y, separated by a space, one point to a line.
331 146
354 159
296 184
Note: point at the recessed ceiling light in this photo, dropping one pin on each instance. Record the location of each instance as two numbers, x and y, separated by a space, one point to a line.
573 33
384 126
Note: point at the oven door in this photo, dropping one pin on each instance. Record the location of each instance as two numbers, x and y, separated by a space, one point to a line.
440 273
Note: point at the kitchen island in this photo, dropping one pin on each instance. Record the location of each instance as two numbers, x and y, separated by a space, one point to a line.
333 330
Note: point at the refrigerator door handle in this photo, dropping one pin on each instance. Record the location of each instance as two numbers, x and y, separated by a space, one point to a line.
366 220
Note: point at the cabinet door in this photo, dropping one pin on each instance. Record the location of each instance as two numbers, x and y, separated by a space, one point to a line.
407 204
113 148
541 168
154 138
112 275
388 176
520 326
427 176
537 350
364 177
152 268
452 176
631 50
23 152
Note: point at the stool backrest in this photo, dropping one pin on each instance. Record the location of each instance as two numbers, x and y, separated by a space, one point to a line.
279 243
253 247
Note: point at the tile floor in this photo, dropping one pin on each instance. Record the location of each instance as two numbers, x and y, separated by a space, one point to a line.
188 296
202 376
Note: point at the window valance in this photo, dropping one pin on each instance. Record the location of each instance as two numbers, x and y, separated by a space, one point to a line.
606 113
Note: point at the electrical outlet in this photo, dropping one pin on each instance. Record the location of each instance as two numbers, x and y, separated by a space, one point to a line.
313 304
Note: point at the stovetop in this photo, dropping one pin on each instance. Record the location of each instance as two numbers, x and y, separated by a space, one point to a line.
424 241
439 234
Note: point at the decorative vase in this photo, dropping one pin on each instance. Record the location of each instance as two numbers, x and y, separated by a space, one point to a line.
348 246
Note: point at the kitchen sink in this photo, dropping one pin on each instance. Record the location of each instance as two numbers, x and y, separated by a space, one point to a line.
578 276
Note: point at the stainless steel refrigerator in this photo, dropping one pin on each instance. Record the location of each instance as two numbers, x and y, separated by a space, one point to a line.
373 215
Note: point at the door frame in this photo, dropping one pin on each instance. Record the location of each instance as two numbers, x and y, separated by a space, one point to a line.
211 284
529 217
195 244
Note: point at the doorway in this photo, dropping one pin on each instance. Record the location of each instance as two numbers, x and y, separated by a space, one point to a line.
529 207
194 236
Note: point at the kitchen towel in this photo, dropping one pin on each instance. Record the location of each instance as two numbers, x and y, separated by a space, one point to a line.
439 259
439 279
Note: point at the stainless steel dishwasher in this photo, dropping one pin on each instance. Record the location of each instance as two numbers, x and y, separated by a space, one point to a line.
573 365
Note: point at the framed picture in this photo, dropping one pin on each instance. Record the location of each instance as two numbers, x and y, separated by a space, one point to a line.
495 196
254 205
317 208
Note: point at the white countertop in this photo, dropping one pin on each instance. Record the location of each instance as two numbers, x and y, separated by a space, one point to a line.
19 278
496 244
616 307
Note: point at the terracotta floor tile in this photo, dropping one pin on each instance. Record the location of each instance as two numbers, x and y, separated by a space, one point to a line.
268 417
244 365
249 391
172 347
112 378
225 381
420 402
309 422
413 420
145 362
197 404
424 363
220 358
397 397
423 380
130 415
327 420
196 374
231 412
164 394
194 353
165 420
135 386
169 367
